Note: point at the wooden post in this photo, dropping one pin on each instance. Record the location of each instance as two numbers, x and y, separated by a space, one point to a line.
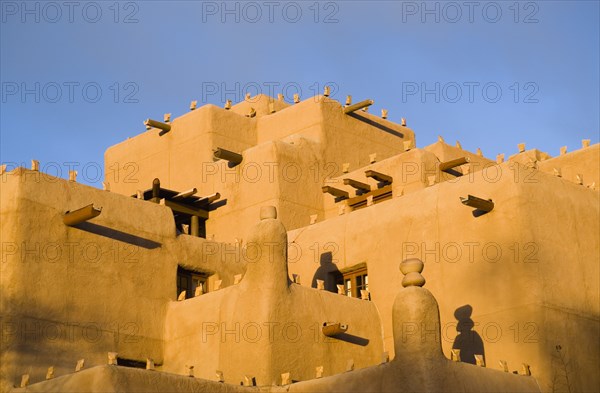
195 226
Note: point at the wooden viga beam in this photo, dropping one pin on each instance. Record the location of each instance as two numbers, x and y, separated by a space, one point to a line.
485 205
336 192
444 166
360 186
164 127
222 154
380 177
213 197
333 329
186 194
209 198
78 216
358 106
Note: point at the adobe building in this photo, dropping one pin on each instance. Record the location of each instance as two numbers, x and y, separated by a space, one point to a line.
273 246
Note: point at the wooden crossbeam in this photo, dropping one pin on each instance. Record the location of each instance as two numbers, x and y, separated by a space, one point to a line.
184 208
207 200
360 186
186 194
380 177
445 166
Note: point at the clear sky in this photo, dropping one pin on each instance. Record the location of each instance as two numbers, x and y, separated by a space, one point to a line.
80 76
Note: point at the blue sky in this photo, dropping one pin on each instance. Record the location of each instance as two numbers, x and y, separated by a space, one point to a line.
78 77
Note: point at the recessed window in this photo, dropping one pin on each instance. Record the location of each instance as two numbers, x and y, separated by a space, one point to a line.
355 280
130 363
189 280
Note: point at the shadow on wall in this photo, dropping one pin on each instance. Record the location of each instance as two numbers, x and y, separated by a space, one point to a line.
376 125
328 272
468 340
117 235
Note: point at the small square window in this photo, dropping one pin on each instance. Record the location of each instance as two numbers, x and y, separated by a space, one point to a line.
189 280
355 281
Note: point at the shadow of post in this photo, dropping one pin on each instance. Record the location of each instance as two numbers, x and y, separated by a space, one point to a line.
468 341
328 272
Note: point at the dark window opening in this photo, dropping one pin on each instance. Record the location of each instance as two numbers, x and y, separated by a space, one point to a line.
183 223
354 281
189 281
130 363
190 211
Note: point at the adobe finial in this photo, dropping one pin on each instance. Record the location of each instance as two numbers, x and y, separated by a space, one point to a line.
414 309
585 143
268 212
412 268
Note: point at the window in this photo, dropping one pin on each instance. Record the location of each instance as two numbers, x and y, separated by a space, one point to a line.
189 280
130 363
354 280
183 224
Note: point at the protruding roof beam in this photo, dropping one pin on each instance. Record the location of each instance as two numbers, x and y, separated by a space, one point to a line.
445 166
223 154
209 199
485 205
336 192
380 177
78 216
358 106
186 194
213 197
164 127
360 186
333 329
